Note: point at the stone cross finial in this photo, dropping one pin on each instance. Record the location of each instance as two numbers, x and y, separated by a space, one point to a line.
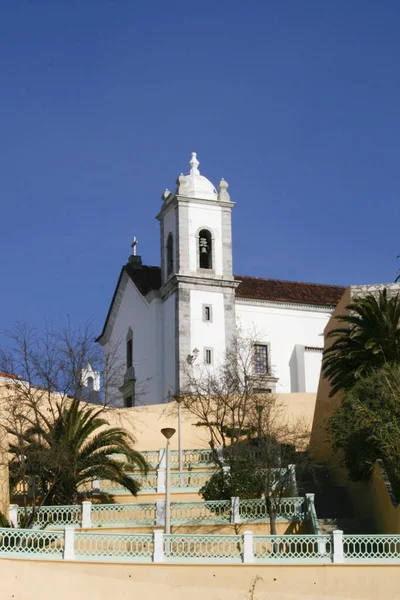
194 163
134 244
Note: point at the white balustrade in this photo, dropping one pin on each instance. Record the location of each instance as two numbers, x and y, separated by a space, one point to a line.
86 514
248 551
338 554
158 555
69 543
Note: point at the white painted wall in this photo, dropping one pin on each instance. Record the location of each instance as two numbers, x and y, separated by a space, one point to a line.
169 348
205 216
312 364
135 312
207 334
169 226
284 327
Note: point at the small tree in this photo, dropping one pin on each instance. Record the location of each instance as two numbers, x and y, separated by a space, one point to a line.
63 456
253 445
366 426
46 383
368 339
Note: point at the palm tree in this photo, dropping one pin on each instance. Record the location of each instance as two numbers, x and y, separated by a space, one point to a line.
369 339
64 453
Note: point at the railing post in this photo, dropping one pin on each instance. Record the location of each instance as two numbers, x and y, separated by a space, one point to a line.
160 513
158 555
86 514
161 458
69 542
248 551
293 479
13 514
220 453
309 501
96 485
161 481
235 509
338 554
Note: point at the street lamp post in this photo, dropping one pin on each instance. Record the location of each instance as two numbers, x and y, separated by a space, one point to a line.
180 451
167 432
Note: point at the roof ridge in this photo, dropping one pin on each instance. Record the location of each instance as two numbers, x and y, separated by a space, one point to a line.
335 285
289 281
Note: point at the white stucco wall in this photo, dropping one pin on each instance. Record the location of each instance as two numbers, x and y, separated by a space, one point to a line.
169 348
312 364
207 334
284 327
169 226
135 312
205 216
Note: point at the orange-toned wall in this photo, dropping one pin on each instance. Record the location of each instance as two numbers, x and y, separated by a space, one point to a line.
46 580
319 443
283 527
145 422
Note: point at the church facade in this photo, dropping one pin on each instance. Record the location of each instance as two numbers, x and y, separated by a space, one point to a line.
190 309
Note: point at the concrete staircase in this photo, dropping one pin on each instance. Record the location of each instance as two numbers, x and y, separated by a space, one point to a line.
333 504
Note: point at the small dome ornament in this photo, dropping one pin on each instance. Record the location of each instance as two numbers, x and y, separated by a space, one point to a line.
166 195
194 164
195 185
223 191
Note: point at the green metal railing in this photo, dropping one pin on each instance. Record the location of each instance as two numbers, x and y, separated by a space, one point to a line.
28 542
282 548
113 547
122 515
158 547
371 548
204 513
148 483
190 458
46 516
291 509
145 514
190 480
214 548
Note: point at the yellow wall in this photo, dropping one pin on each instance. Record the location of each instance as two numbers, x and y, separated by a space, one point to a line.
320 446
145 422
46 580
283 527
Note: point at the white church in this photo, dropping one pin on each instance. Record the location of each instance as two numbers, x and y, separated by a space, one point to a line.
191 307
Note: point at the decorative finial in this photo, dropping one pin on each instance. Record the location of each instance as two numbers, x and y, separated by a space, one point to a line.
166 194
223 190
134 244
194 163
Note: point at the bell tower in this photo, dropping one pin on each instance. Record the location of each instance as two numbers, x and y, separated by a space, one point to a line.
198 288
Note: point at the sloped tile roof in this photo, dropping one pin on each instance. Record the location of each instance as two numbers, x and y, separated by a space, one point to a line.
297 292
147 278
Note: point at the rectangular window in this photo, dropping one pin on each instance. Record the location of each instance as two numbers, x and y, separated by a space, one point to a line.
208 356
128 401
129 353
260 359
207 313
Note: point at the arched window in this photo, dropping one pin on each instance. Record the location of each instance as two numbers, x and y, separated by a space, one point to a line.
205 249
170 254
90 384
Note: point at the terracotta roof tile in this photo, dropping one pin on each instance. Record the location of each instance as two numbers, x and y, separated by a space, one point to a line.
145 278
148 278
296 292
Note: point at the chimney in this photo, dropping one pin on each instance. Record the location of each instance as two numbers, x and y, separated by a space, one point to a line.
135 261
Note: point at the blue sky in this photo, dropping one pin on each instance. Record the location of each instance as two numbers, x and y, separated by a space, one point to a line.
295 103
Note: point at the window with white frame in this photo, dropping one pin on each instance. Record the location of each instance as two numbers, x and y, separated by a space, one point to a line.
129 349
208 356
207 313
260 359
205 249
